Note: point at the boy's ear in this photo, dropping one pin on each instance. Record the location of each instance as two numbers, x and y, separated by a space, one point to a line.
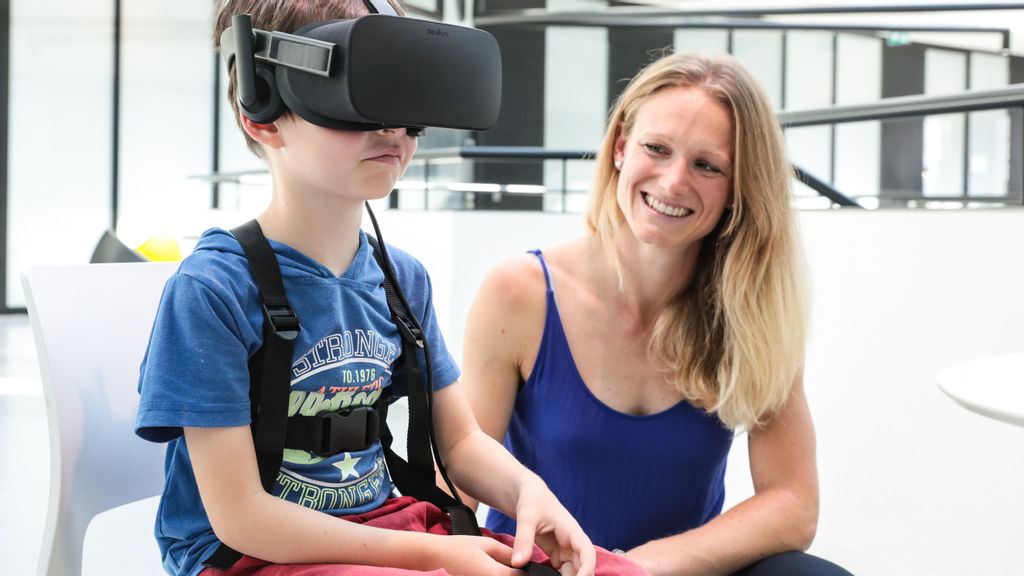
266 134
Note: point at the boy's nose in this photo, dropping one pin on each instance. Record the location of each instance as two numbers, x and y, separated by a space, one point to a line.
399 131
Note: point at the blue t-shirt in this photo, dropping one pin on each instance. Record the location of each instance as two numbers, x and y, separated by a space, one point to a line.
195 373
627 479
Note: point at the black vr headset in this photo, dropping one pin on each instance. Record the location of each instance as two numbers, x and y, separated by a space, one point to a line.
368 73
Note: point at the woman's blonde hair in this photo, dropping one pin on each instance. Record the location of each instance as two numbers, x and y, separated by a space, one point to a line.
280 16
734 337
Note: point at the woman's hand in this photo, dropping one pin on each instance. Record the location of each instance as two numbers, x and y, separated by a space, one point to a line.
542 520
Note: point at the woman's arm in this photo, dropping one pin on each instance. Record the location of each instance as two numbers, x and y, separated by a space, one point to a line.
255 523
507 314
483 468
781 516
503 327
506 319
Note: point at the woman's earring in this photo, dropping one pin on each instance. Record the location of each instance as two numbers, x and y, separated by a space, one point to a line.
618 164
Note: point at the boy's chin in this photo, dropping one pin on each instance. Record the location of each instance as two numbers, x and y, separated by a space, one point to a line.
373 197
382 195
375 188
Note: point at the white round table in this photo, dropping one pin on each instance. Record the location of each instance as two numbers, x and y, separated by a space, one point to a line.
992 386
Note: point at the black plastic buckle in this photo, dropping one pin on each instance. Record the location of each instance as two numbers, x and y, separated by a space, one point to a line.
283 320
348 431
463 520
410 332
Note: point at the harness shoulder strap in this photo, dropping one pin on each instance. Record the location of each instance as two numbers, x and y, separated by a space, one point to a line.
418 448
269 368
415 478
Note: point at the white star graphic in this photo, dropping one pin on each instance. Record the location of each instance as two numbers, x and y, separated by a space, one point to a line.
348 466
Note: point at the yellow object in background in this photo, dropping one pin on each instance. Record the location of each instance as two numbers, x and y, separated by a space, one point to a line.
160 249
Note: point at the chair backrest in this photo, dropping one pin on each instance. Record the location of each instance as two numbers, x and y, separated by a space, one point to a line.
91 325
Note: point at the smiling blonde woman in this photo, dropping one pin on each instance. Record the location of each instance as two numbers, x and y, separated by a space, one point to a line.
618 366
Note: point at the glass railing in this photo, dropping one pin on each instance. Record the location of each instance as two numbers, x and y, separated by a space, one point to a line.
442 179
961 150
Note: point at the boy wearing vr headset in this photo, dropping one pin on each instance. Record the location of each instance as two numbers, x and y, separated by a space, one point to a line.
195 378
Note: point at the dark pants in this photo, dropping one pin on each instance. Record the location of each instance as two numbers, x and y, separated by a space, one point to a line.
793 564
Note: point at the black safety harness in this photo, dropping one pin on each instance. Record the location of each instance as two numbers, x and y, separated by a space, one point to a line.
346 430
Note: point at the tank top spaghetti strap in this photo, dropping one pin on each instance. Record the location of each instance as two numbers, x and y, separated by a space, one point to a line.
626 478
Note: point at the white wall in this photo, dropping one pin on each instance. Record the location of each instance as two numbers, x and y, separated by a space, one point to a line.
988 132
809 147
911 483
760 51
945 72
458 248
575 122
166 114
61 125
857 154
61 79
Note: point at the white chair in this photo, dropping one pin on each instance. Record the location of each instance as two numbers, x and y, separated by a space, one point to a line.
91 326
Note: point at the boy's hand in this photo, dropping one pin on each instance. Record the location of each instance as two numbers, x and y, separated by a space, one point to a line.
541 519
474 556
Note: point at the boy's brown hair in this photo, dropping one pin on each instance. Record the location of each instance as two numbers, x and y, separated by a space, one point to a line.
280 16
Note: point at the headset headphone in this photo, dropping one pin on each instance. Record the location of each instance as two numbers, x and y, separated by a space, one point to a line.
367 73
256 90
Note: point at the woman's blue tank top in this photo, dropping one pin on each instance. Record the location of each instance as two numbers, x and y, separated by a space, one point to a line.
627 479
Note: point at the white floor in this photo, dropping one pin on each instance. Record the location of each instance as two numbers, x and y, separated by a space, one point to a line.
24 448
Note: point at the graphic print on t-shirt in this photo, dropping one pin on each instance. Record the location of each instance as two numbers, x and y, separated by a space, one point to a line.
346 494
344 370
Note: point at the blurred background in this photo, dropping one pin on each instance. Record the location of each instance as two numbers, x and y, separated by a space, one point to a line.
903 119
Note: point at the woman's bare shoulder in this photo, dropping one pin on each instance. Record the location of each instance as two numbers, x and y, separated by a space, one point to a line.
518 277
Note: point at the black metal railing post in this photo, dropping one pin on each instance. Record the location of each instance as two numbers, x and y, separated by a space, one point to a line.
426 184
215 140
5 191
565 184
115 104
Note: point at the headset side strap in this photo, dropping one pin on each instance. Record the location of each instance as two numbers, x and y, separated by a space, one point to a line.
380 7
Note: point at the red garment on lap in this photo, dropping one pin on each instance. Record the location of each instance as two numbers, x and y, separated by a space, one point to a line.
405 513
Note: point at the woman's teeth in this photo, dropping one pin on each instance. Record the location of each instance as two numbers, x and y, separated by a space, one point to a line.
662 208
